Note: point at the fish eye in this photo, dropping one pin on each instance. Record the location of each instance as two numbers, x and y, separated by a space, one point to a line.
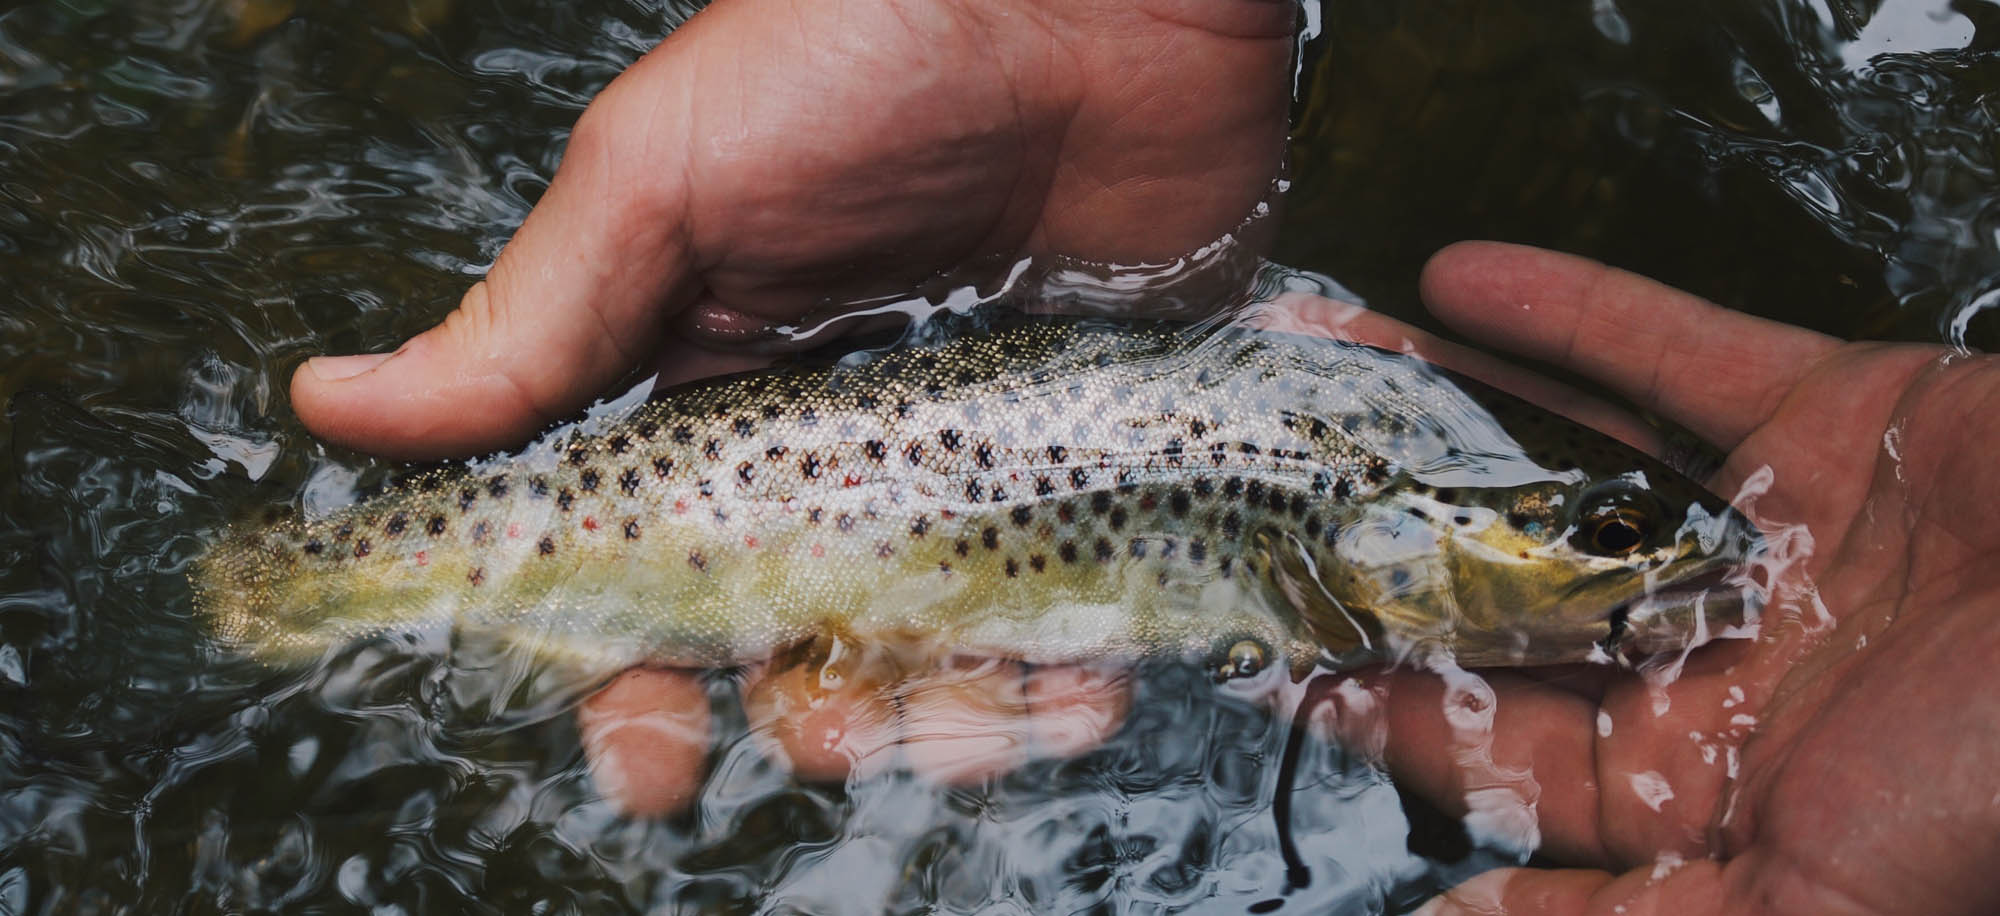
1615 521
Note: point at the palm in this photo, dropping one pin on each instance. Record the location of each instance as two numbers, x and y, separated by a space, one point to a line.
1797 771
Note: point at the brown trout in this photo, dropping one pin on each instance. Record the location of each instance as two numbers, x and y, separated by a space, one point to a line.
1055 491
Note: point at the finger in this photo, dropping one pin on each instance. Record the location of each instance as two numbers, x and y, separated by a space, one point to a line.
829 717
1514 758
1692 887
1304 314
966 721
645 737
576 301
1074 708
1715 371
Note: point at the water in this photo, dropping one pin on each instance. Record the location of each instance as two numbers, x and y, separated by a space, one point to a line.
195 195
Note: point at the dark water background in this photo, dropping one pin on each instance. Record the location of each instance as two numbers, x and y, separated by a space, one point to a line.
196 195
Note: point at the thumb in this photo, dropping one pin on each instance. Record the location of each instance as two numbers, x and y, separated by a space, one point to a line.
577 299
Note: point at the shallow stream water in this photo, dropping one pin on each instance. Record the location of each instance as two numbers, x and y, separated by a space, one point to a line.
196 194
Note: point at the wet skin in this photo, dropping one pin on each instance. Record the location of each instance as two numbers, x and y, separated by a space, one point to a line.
1123 130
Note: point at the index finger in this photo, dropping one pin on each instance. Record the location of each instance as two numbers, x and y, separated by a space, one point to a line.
1718 372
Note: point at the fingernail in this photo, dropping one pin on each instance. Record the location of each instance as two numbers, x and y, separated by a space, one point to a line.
338 368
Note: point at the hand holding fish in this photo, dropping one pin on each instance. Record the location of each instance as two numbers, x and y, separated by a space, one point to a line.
1841 763
770 158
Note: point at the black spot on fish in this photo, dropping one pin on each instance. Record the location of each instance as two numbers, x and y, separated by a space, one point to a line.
844 522
960 547
683 435
1278 501
1058 454
1418 513
631 529
1037 562
1100 502
704 487
1232 526
628 480
974 491
1078 478
983 454
696 560
1247 448
619 445
1330 535
497 486
809 466
1197 428
999 494
775 453
1233 487
875 450
1013 568
476 576
362 548
1197 550
479 530
920 526
746 473
1167 548
884 550
589 479
565 499
712 449
546 546
1378 469
662 467
1044 486
915 454
905 408
721 515
396 524
1117 518
989 537
1136 548
648 429
1104 551
772 412
466 497
314 548
951 439
1218 454
1178 502
435 526
1021 515
538 487
743 427
1204 487
1067 551
578 457
808 416
1254 493
1343 489
867 402
1321 483
1126 484
813 514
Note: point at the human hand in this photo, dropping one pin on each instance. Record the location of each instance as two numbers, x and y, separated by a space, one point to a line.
772 158
1841 763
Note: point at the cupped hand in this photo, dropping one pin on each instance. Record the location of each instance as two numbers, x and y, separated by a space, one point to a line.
1843 762
775 158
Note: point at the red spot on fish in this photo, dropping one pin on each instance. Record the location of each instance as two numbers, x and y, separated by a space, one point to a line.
818 550
590 523
423 560
514 530
750 541
851 481
680 506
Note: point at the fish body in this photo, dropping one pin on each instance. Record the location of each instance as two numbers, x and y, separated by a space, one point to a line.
1053 491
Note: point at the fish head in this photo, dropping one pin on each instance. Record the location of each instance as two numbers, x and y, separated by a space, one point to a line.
1599 561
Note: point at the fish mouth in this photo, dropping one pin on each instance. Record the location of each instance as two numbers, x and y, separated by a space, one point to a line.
1681 615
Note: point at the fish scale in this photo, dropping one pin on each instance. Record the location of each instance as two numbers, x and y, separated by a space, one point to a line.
1051 491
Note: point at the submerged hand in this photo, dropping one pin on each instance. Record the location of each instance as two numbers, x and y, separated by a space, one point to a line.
1844 762
772 158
